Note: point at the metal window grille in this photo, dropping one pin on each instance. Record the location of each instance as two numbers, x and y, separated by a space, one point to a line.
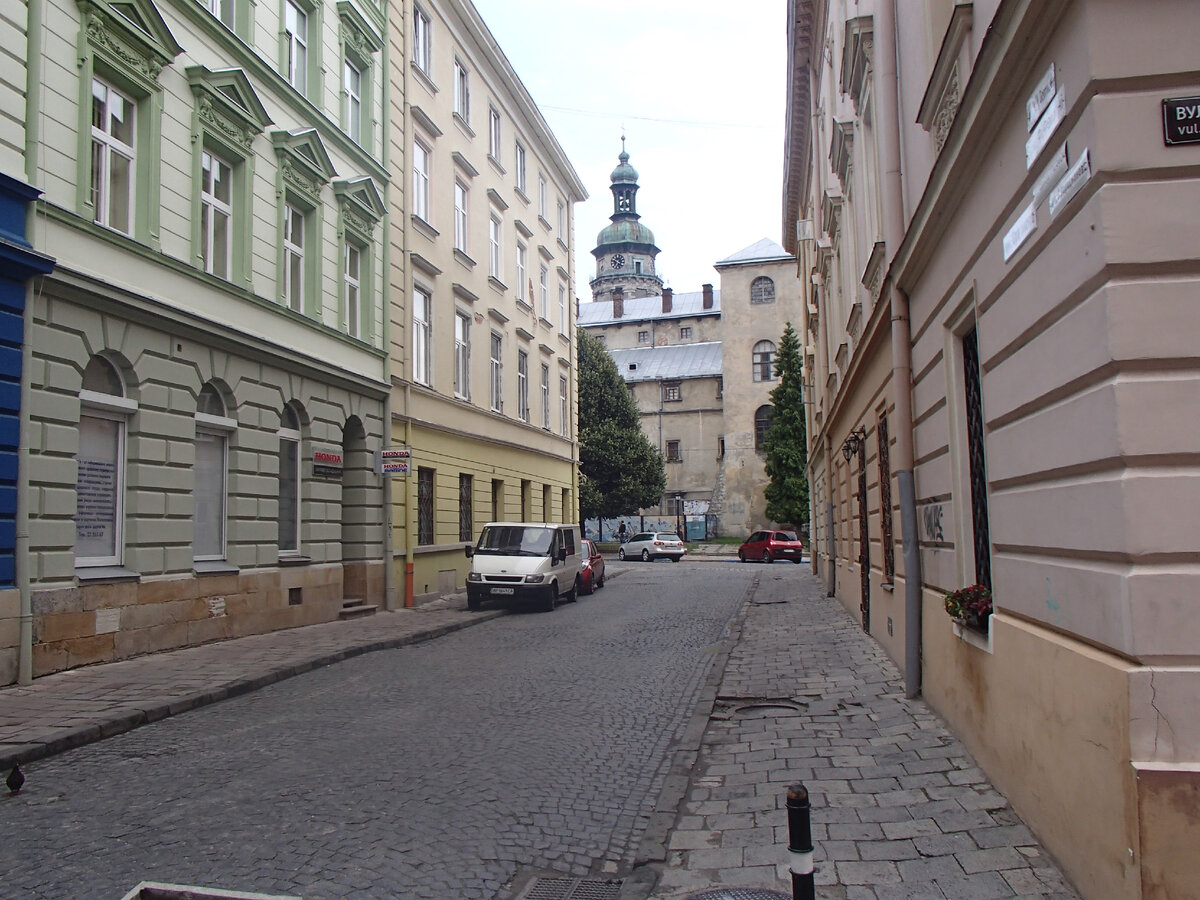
762 290
424 505
466 491
864 540
885 503
975 451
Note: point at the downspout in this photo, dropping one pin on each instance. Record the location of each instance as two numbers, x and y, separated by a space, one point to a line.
389 546
893 224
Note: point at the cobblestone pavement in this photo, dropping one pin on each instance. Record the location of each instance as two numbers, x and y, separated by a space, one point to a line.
899 808
438 770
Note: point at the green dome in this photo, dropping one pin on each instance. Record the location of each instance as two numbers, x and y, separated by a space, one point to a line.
624 172
626 231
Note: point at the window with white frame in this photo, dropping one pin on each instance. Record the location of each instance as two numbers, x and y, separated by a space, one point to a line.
562 221
564 406
672 391
519 165
352 99
462 355
289 483
541 196
100 466
562 309
462 91
497 372
293 256
352 289
295 28
210 482
495 227
420 202
216 214
113 157
764 361
494 133
223 10
545 396
522 256
422 40
460 216
523 385
421 327
544 291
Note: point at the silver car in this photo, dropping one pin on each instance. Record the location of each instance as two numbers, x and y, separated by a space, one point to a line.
648 545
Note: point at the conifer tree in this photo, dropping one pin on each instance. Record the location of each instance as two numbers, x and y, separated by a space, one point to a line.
785 444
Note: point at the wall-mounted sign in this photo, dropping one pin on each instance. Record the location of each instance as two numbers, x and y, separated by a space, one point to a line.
1041 134
327 463
1076 177
1056 167
1181 121
1040 98
1021 229
393 461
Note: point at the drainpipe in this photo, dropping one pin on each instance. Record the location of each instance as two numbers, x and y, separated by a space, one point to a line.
831 576
893 224
389 557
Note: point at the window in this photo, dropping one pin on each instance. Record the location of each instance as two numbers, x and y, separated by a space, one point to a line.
562 221
293 257
209 487
721 447
764 361
462 355
289 482
352 289
222 9
497 500
462 92
466 493
100 466
547 512
562 309
673 451
637 267
216 214
685 333
523 385
522 254
976 452
497 372
494 229
885 503
643 337
526 492
720 386
295 27
113 156
460 216
352 113
424 505
672 391
422 40
762 290
542 196
421 322
564 406
762 423
519 164
420 202
544 291
546 396
494 133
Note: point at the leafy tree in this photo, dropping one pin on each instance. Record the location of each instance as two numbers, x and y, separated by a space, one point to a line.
785 444
620 471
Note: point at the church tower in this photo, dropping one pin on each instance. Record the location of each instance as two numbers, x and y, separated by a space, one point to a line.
625 250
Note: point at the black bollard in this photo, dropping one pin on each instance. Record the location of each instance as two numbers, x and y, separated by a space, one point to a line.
800 845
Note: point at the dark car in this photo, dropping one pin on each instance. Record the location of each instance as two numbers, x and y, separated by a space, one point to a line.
592 570
769 546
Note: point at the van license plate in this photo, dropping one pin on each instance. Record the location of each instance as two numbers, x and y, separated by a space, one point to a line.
502 590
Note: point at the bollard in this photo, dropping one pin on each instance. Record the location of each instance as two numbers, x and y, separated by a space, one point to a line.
800 845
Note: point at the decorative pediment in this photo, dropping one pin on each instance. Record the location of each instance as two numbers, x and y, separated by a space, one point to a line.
227 104
872 278
831 214
305 163
856 57
841 150
131 35
359 36
362 204
943 93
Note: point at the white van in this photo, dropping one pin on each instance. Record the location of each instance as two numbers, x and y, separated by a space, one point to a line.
525 561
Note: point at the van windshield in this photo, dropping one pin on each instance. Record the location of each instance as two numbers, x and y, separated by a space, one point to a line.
515 540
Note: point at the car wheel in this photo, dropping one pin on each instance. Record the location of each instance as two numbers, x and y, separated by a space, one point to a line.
621 554
767 557
573 594
676 558
590 587
645 556
600 583
742 556
551 600
796 561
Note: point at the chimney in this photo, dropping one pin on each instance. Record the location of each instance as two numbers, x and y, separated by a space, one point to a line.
618 302
668 295
708 297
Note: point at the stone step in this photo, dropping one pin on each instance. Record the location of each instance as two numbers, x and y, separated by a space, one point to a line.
354 608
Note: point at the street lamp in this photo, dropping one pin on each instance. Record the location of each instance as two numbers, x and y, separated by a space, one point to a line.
850 447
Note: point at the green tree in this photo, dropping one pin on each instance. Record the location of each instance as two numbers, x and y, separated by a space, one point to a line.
785 444
620 471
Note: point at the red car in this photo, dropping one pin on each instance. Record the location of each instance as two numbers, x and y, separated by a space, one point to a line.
592 570
770 546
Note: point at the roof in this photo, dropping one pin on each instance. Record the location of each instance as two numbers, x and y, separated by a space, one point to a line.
765 250
671 361
599 312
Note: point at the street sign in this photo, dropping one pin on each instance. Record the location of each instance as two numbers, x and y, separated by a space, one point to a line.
1181 121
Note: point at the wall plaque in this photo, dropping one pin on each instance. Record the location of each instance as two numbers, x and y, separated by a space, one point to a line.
1181 121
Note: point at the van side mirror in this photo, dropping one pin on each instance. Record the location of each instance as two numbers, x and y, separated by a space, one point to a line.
561 556
469 550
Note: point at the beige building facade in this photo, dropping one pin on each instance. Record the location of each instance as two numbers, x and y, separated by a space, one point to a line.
482 348
989 204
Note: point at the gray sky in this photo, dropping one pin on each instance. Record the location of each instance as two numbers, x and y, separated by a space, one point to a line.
698 87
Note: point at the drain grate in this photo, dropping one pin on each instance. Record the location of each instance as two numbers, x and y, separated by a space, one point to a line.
739 894
572 889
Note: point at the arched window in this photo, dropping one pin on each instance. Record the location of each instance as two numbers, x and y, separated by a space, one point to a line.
763 417
762 290
100 466
289 482
210 475
764 361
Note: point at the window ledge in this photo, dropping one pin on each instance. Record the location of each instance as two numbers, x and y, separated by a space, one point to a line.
496 164
423 77
214 567
888 586
463 126
458 546
291 561
463 259
520 193
976 639
563 244
94 574
424 227
545 222
497 285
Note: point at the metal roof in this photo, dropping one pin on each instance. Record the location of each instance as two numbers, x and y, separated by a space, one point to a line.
700 360
641 309
765 250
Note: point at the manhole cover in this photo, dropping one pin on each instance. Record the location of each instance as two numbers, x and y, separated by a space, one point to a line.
740 894
572 889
